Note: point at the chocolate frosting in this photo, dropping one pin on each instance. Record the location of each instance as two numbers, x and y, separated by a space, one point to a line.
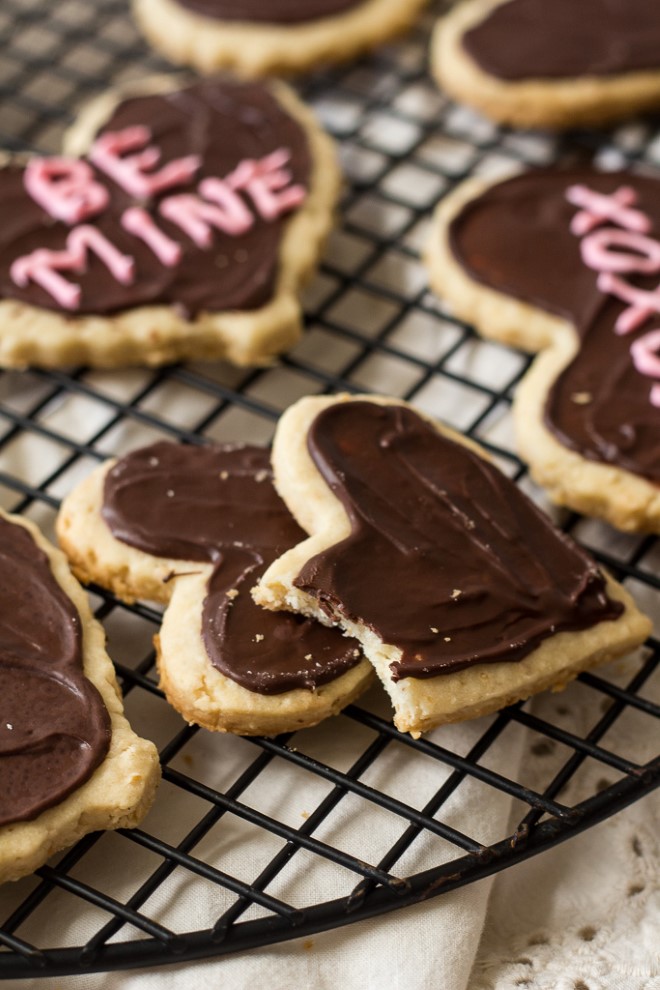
219 504
54 728
516 238
270 11
558 39
224 122
447 560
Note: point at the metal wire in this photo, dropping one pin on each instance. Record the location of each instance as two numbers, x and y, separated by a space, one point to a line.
371 324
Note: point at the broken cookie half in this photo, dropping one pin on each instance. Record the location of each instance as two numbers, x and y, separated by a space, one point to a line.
194 528
463 594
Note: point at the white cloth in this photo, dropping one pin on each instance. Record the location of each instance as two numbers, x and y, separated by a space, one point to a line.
583 915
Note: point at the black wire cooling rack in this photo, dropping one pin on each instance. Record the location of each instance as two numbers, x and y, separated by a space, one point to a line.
371 325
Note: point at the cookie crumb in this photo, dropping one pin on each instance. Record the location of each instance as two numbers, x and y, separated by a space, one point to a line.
224 475
470 524
447 639
170 493
261 475
232 593
456 593
308 656
356 654
434 630
9 725
581 398
259 638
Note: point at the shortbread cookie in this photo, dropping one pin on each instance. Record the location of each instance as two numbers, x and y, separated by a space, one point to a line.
194 527
185 232
464 596
257 37
568 263
69 762
535 63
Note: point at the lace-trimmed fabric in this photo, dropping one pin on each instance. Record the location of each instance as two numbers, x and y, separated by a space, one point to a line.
586 915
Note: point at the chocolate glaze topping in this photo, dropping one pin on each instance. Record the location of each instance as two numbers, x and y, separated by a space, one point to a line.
218 504
269 11
54 727
553 39
224 122
447 559
516 238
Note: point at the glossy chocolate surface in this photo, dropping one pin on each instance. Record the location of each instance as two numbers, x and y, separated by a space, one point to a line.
447 559
269 11
54 727
558 39
218 504
516 238
225 123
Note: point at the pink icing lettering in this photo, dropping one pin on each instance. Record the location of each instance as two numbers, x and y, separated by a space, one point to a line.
220 192
598 208
133 172
139 223
268 183
647 361
83 239
643 304
65 188
40 267
196 218
596 252
43 266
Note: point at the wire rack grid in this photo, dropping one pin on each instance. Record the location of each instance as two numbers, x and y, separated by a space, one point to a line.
239 823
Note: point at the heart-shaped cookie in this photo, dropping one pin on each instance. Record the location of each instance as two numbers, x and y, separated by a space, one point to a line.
463 595
184 231
537 64
69 762
567 262
195 527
